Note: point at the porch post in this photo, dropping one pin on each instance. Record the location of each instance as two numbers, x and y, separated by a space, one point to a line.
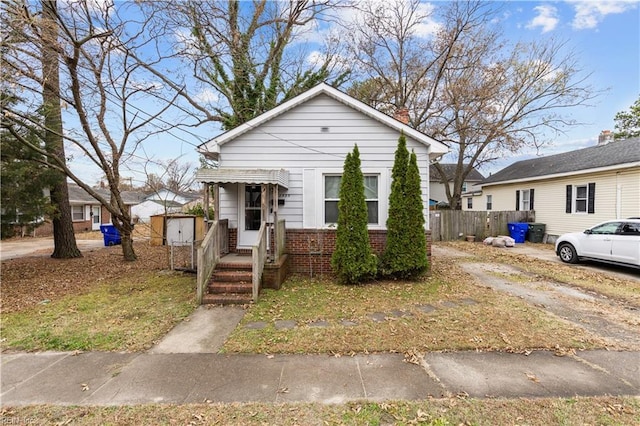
206 203
275 222
216 201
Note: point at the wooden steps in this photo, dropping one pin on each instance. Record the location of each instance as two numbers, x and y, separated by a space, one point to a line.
230 284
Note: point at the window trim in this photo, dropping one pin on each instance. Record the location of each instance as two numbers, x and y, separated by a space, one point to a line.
367 200
73 213
489 201
469 203
572 198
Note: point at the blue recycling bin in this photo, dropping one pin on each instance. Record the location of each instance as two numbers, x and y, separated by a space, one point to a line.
518 231
111 235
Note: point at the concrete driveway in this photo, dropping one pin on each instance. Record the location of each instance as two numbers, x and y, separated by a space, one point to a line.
30 247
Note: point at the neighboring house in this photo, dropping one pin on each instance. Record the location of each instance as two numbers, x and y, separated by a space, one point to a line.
287 164
86 212
570 191
437 189
164 201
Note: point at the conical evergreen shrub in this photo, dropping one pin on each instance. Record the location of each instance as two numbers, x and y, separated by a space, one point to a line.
353 261
405 251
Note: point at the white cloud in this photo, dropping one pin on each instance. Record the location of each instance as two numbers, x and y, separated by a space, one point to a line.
590 13
547 18
206 96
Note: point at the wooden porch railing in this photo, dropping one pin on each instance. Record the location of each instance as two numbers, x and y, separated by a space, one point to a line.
208 258
259 258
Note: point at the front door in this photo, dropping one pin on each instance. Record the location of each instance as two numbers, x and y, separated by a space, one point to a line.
250 214
95 218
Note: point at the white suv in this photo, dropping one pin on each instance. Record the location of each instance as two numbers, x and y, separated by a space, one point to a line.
614 241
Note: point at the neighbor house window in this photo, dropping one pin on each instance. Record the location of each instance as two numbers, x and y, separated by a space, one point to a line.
464 187
77 213
581 198
489 202
470 203
332 196
524 199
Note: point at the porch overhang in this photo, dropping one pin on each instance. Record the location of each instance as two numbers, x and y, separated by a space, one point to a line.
247 176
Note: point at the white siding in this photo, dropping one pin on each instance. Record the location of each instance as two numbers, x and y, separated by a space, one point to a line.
617 195
312 139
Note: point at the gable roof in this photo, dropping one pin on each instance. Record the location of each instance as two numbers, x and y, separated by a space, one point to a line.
437 148
612 154
450 170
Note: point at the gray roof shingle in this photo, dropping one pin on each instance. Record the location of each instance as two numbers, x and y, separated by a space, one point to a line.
77 195
612 154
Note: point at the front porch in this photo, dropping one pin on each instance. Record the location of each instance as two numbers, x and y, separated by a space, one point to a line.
235 262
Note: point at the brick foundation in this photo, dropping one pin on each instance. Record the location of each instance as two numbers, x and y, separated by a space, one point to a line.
310 250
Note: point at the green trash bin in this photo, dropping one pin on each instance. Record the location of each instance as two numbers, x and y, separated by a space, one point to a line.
536 232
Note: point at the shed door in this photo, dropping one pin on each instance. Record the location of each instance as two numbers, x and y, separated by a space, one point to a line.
180 231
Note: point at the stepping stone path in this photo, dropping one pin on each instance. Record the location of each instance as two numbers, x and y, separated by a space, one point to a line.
376 316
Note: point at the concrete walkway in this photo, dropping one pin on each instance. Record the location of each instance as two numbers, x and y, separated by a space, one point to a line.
99 378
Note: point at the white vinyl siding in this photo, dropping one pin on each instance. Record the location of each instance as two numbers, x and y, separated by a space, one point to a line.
294 141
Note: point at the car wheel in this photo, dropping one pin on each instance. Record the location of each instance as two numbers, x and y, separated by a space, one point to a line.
567 253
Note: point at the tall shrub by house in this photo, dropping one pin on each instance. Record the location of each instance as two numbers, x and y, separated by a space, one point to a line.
353 260
405 251
416 248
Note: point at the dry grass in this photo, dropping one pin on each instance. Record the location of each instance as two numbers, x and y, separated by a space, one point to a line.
494 321
608 285
441 412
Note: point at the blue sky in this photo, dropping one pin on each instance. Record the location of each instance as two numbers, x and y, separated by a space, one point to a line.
604 36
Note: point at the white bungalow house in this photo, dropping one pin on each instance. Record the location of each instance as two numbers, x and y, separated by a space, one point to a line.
163 201
284 166
570 191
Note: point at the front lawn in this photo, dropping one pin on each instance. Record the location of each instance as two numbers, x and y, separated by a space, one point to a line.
98 302
445 311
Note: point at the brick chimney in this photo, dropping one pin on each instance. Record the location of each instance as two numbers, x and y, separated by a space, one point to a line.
605 137
402 115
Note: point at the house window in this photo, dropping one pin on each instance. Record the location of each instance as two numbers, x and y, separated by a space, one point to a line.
332 196
77 213
580 204
524 199
489 202
470 203
464 187
581 198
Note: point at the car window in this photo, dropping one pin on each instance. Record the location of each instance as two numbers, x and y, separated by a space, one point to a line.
606 228
630 229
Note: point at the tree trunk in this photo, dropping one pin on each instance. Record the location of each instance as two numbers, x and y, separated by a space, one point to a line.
64 239
127 242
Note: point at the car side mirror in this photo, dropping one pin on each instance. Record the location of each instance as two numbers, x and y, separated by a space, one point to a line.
587 231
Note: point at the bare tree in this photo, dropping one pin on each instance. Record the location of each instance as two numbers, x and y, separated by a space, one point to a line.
243 56
102 84
462 83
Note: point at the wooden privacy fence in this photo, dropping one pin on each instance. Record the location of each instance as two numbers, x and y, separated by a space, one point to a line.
450 225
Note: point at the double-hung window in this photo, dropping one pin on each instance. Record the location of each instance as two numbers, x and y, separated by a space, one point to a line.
524 199
581 198
489 202
77 213
332 196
